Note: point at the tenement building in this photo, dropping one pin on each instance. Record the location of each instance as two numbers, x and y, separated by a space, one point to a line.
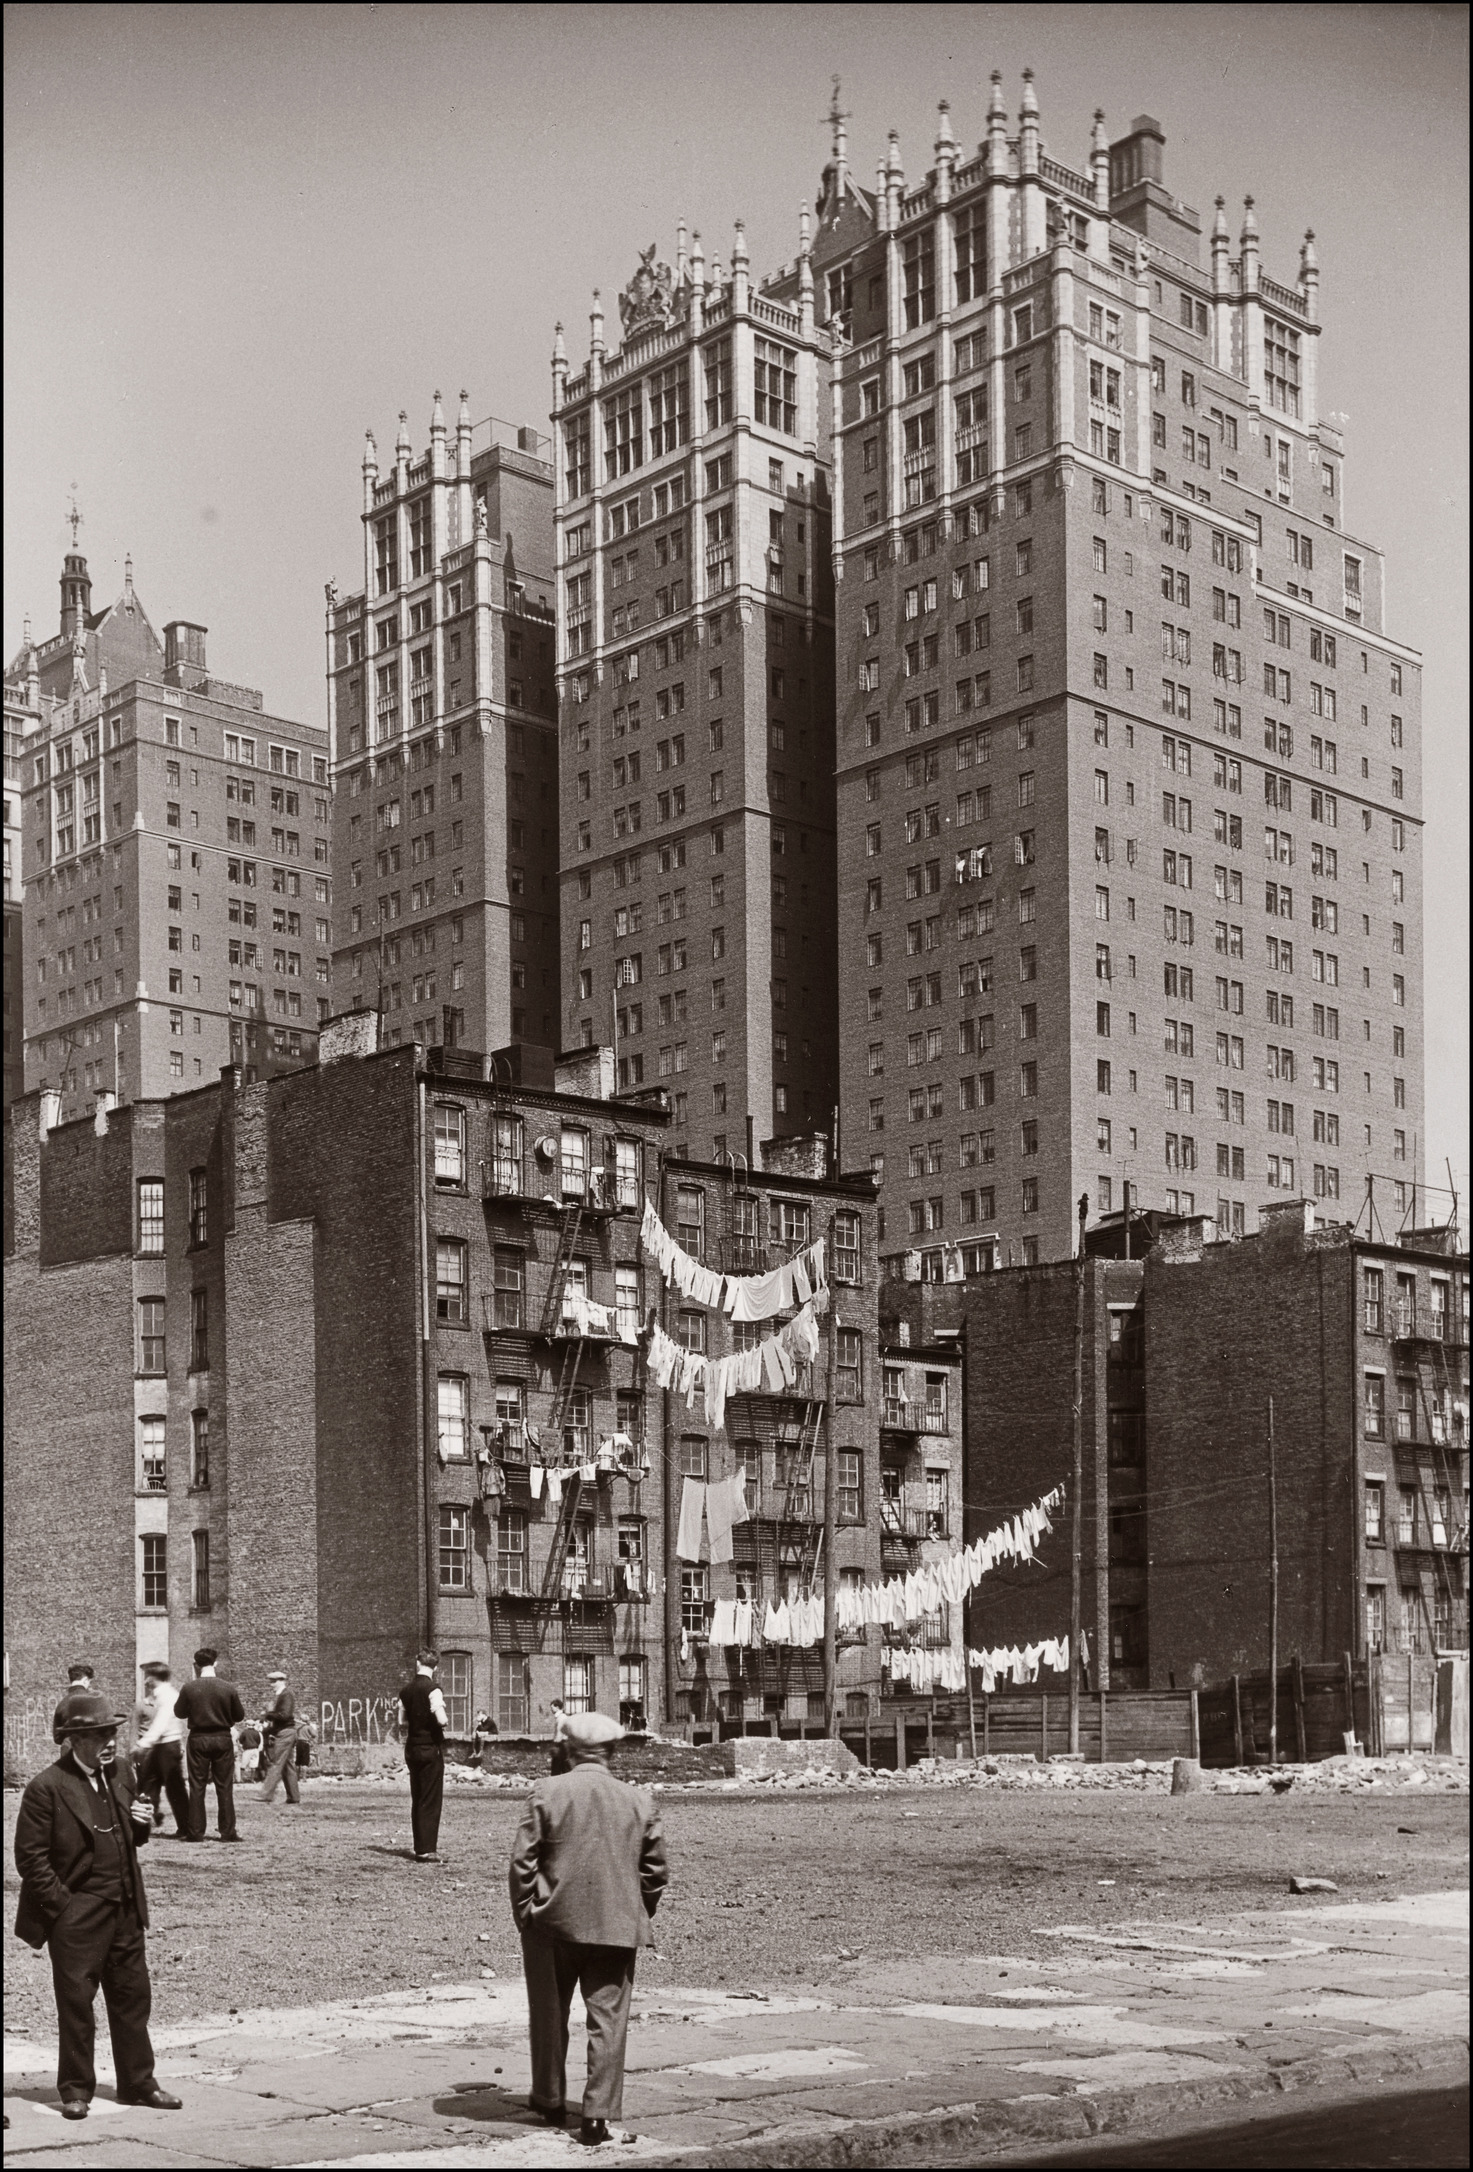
359 1356
1129 767
695 674
1339 1361
441 710
175 855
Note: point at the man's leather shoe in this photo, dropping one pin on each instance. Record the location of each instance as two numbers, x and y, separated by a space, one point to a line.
232 1836
155 2099
594 2133
559 2118
75 2107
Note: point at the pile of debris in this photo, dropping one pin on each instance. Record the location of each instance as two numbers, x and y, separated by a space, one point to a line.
1347 1776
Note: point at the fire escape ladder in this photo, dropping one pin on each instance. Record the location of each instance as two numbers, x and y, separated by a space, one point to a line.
562 1536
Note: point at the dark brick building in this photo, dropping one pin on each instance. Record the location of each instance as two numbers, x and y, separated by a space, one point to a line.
1363 1349
287 1358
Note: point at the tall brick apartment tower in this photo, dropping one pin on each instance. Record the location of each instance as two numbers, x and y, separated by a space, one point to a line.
174 851
695 674
1129 771
440 703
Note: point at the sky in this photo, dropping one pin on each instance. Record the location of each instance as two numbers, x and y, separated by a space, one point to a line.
235 238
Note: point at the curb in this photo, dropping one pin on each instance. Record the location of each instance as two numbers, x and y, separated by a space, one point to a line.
1014 2129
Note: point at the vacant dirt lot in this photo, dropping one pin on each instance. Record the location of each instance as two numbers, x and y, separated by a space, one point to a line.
325 1903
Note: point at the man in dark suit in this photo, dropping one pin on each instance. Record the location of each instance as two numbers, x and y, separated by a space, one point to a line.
212 1710
77 1838
586 1874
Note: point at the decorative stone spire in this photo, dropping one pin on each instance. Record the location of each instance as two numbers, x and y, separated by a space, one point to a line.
740 268
130 601
697 264
839 145
882 195
402 447
1221 244
682 258
1028 126
1099 161
997 129
596 325
437 418
437 439
370 469
1309 277
946 153
805 269
1248 243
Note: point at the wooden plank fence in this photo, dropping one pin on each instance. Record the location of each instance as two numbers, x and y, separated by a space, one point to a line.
1114 1726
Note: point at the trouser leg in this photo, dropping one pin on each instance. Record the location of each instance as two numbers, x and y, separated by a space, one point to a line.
289 1773
171 1767
199 1774
426 1795
148 1773
606 1977
78 1945
548 2000
281 1760
129 1997
224 1778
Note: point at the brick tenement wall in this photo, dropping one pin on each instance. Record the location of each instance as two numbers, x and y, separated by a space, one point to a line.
1270 1317
343 1153
69 1544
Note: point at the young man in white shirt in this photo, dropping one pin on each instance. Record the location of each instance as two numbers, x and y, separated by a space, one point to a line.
160 1747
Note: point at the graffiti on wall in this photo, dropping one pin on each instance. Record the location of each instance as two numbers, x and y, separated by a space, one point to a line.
28 1728
353 1721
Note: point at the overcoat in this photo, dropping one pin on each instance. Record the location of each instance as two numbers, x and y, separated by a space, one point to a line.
53 1843
588 1862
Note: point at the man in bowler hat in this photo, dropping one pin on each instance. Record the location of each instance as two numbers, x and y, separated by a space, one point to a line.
586 1874
77 1837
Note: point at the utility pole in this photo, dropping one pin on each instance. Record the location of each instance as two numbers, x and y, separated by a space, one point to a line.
1077 1486
1273 1594
830 1519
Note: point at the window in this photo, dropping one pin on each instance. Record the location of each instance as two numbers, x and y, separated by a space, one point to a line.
1374 1407
850 1504
199 1459
694 1600
450 1282
849 1364
198 1206
845 1235
152 1471
513 1691
151 1217
509 1272
454 1547
449 1143
453 1429
154 1570
199 1571
199 1331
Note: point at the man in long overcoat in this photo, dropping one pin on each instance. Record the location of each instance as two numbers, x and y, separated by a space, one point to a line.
77 1837
587 1871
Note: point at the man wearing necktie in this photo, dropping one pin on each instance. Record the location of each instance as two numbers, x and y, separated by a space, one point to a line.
77 1837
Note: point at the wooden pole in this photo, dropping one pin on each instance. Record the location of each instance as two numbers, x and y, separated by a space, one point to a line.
1237 1721
1273 1595
1296 1684
971 1713
986 1724
830 1526
1077 1472
1348 1670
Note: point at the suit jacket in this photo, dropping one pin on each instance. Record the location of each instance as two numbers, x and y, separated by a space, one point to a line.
588 1862
53 1843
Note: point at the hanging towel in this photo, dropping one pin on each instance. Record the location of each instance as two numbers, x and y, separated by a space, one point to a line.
718 1519
739 1510
688 1537
555 1489
534 1479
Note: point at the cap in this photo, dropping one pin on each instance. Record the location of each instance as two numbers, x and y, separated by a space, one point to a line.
590 1730
276 1674
83 1708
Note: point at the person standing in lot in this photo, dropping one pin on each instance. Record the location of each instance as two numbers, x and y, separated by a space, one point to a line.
586 1874
279 1752
77 1838
424 1720
160 1749
212 1710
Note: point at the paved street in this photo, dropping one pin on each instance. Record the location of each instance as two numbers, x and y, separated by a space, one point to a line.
1093 2016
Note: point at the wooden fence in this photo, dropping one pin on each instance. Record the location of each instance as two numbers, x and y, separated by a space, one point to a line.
1114 1727
1385 1703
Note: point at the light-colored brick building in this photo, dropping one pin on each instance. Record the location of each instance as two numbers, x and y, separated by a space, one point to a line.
441 710
695 676
175 855
1129 770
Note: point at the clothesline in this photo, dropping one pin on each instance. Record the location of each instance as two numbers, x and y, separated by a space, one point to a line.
772 1365
892 1605
740 1297
926 1669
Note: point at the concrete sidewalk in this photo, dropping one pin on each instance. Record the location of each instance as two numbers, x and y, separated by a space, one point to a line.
1122 2031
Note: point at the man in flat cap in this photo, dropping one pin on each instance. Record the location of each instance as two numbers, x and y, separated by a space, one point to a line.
279 1739
77 1837
586 1874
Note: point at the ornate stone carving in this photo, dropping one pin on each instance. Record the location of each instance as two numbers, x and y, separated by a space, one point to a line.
648 296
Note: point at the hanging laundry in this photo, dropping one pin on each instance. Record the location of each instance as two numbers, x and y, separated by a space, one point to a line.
534 1479
688 1536
555 1489
718 1519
